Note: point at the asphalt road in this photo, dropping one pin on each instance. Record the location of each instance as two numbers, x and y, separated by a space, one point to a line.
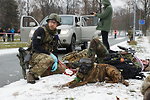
11 70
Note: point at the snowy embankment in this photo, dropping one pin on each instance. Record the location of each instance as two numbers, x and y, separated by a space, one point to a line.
44 90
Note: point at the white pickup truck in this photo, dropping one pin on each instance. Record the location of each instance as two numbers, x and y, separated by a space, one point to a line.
75 30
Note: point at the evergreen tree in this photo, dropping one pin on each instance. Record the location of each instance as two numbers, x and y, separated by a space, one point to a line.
9 13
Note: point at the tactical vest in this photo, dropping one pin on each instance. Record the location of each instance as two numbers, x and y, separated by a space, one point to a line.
48 41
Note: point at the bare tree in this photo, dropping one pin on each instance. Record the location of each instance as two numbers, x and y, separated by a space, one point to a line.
77 6
85 6
43 8
69 6
21 7
146 15
123 18
97 6
91 6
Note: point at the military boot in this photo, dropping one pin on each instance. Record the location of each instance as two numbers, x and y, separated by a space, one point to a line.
30 77
36 77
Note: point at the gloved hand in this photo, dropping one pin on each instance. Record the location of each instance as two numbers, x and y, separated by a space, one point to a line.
54 67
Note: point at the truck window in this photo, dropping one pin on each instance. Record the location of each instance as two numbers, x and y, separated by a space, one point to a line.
76 21
67 20
84 21
91 21
27 21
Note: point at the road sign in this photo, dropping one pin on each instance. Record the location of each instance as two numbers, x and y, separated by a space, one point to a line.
141 21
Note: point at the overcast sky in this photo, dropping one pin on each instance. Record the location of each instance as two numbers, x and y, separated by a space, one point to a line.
118 3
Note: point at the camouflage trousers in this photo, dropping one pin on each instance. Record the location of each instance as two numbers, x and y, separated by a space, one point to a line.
41 65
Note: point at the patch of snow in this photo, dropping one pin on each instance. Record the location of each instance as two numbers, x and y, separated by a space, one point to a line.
44 88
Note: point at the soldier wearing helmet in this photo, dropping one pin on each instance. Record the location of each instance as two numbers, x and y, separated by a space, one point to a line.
55 17
44 42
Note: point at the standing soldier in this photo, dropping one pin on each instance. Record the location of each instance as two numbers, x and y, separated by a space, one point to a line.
130 34
44 43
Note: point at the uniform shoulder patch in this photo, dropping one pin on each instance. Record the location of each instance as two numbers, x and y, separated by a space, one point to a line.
38 37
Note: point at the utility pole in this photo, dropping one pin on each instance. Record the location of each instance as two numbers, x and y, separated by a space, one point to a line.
134 23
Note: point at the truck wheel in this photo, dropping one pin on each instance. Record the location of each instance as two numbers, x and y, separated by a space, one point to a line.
84 46
72 45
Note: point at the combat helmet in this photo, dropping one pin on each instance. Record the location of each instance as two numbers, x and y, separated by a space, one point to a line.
55 17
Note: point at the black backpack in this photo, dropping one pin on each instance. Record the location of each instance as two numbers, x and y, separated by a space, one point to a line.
127 67
24 57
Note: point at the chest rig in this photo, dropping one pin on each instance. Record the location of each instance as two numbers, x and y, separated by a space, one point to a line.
48 41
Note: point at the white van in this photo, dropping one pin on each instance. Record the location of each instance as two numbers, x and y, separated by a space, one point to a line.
75 30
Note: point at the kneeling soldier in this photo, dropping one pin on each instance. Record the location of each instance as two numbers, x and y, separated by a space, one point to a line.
44 43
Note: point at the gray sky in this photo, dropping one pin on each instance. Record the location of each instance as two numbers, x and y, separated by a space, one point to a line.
118 3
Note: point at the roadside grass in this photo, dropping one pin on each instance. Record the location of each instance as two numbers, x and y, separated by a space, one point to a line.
15 44
133 42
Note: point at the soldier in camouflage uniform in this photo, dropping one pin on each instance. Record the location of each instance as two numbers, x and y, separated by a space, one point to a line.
130 34
44 42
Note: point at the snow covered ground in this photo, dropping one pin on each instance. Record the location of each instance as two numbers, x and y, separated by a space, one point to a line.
44 88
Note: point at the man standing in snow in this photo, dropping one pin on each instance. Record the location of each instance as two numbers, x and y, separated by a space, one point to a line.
44 43
105 21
